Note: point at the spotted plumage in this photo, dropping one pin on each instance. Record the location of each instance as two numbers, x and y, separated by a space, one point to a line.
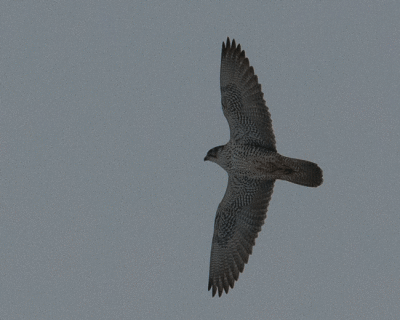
253 164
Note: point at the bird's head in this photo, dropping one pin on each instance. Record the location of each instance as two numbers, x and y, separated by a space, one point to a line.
213 154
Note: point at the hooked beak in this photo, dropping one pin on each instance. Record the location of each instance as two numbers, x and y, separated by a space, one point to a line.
206 158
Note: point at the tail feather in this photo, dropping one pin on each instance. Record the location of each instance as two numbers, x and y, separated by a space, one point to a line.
304 173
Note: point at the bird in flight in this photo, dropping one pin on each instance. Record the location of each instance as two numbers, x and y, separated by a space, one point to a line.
252 163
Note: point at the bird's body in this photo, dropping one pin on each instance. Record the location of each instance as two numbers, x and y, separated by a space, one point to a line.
247 161
262 164
253 164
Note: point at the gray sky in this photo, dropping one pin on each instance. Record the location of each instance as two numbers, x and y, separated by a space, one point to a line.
107 111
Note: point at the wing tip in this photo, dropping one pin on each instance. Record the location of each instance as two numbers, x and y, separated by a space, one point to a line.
230 44
231 48
222 283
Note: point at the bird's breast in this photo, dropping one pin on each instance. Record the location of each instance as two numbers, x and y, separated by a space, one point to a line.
256 164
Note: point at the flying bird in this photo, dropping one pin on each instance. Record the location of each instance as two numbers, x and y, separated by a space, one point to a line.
253 164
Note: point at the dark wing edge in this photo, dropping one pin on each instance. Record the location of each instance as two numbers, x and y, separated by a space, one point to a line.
242 100
239 219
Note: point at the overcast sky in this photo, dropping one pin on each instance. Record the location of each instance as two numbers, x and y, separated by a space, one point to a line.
107 109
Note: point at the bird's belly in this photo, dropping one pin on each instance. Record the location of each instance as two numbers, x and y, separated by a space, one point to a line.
257 167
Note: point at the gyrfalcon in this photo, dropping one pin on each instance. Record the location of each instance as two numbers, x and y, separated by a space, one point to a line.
252 163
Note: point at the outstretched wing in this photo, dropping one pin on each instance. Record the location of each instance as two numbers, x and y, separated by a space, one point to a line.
242 100
239 218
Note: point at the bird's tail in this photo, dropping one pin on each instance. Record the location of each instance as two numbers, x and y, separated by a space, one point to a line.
303 172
